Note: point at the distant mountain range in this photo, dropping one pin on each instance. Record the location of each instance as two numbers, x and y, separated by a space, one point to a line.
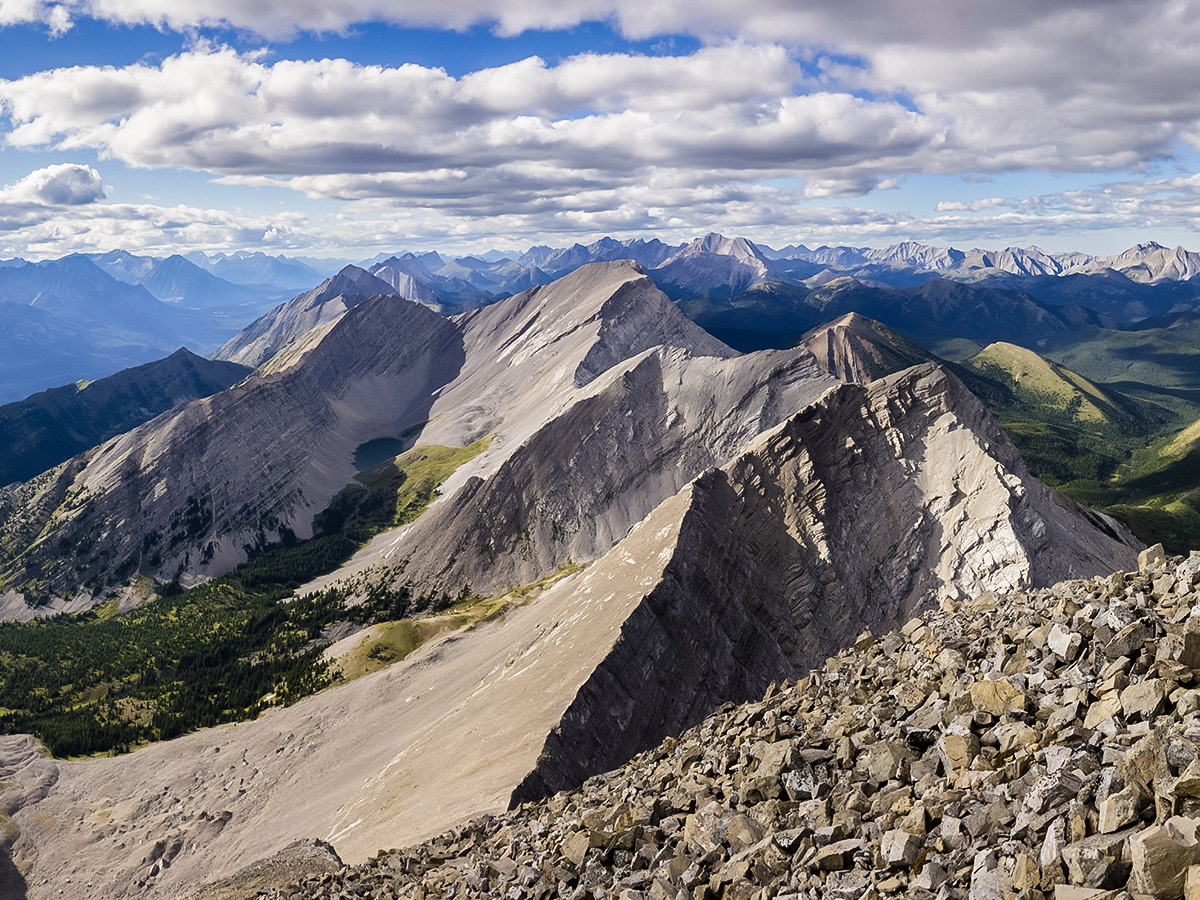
86 317
512 521
71 319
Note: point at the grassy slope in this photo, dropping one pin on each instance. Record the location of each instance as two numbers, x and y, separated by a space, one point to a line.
1070 431
1103 446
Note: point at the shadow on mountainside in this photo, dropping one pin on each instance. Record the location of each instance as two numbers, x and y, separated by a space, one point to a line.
12 882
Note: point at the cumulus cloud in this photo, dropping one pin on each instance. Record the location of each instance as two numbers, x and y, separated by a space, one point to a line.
514 134
35 231
66 184
840 98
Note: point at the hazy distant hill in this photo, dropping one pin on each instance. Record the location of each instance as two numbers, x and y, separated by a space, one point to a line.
1162 352
258 268
179 280
67 319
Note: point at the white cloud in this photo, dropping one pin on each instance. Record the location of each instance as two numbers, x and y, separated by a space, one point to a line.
66 184
516 134
969 205
56 210
638 142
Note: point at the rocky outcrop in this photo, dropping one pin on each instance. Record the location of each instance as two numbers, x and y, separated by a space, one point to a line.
234 471
1039 743
851 514
666 415
867 504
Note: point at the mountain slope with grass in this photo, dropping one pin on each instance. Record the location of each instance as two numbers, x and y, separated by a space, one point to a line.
857 509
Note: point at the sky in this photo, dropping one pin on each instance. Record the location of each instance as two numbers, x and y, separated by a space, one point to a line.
351 127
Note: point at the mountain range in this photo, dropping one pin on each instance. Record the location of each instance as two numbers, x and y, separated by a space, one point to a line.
611 522
752 295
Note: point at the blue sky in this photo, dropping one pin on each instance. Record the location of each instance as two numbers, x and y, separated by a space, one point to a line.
345 128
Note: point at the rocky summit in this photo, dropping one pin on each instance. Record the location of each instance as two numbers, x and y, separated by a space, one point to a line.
1037 743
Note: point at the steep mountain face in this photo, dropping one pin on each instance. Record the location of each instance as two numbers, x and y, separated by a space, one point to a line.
230 471
300 316
75 289
971 773
1031 261
665 413
408 278
216 476
600 360
864 505
855 348
910 253
848 515
176 280
473 280
458 285
123 265
48 428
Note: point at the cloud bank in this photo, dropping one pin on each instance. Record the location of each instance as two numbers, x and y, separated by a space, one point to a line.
782 110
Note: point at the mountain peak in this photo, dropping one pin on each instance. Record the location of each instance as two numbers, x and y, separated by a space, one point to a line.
287 323
856 348
738 247
351 278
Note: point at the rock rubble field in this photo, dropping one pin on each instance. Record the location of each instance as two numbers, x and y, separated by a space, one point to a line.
1036 744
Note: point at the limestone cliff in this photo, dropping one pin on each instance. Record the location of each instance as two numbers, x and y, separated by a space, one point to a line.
188 492
855 348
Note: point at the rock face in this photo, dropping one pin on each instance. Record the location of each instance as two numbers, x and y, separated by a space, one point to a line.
865 504
284 325
241 466
850 514
951 758
559 497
